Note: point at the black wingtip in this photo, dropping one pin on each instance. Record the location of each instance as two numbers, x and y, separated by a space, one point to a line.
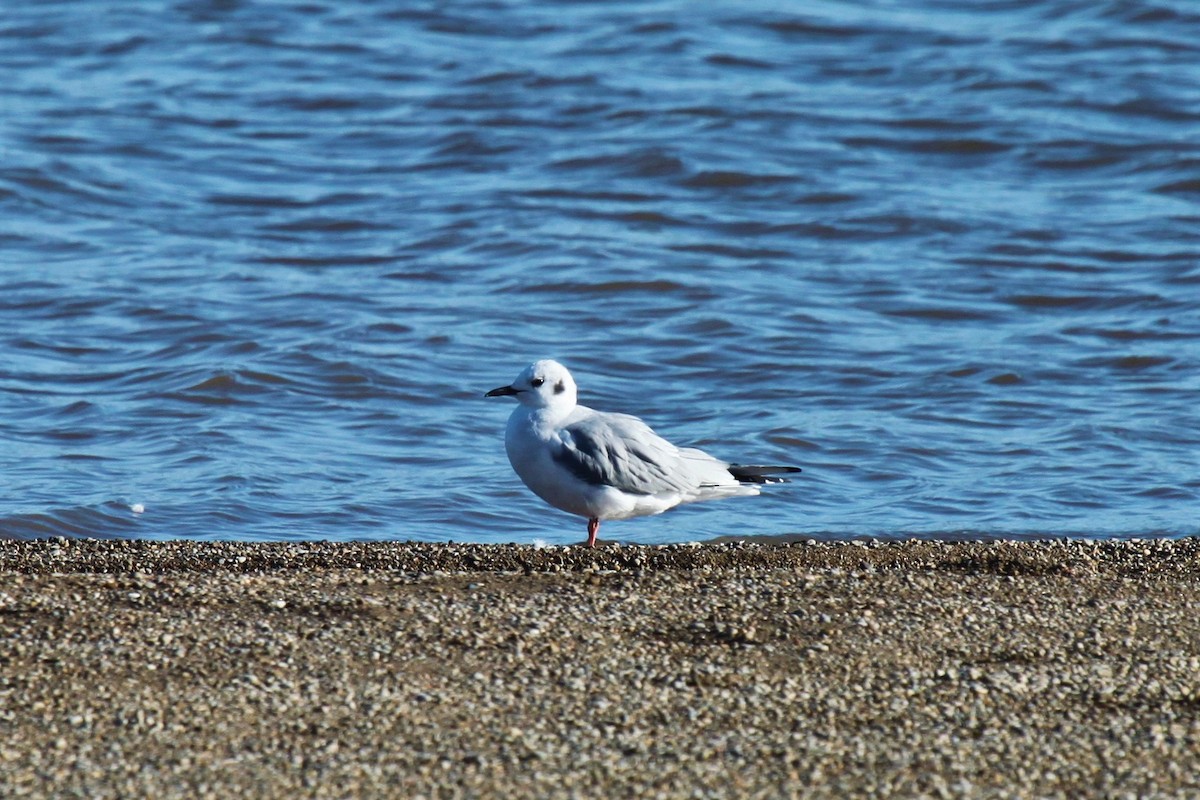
756 473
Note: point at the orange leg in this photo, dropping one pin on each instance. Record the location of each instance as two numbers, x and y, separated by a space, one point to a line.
593 527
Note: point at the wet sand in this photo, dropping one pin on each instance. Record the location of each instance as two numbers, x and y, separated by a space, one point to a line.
185 669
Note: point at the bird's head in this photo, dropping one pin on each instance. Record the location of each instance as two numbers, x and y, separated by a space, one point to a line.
543 384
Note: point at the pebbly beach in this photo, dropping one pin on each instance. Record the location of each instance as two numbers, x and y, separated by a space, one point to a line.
1059 668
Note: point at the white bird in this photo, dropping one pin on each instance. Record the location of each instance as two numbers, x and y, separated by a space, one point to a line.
608 466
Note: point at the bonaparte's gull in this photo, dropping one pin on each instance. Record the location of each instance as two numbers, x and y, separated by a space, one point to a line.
608 466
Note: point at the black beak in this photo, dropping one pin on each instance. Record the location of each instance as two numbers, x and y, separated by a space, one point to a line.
503 391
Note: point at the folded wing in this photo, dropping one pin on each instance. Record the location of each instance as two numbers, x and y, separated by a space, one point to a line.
621 451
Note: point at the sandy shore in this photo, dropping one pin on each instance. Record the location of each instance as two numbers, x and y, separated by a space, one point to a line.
183 669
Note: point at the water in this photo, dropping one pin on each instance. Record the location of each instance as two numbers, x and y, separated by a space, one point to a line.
260 261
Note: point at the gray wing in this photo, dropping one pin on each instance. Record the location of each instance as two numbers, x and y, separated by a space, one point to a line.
621 451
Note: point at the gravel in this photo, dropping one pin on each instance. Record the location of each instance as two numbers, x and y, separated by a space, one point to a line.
218 669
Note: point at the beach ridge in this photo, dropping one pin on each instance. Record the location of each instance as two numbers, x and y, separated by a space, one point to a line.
218 669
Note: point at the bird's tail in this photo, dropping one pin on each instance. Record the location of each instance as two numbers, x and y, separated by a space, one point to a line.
750 473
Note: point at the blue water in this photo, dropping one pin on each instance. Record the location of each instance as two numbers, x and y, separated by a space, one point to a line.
260 261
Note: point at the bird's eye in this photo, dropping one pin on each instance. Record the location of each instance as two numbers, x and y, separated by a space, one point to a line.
536 382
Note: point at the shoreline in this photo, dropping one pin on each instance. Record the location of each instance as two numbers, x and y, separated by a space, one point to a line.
1136 557
996 669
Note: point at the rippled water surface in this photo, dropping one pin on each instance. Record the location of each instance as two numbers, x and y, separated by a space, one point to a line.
259 261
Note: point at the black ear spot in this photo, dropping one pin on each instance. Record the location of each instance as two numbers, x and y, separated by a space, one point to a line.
560 387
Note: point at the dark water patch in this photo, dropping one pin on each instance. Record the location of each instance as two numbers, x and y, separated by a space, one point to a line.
734 180
275 135
940 146
127 45
742 230
1129 363
636 163
1168 493
1046 302
642 218
39 183
805 28
961 146
964 421
72 351
648 218
504 76
426 276
77 408
1026 259
740 62
75 435
615 288
964 372
469 144
323 104
287 202
931 124
1068 156
593 196
1162 332
60 143
828 198
391 329
729 251
1153 108
220 389
111 520
942 314
321 262
328 225
1030 87
1188 186
906 225
789 439
1116 256
1187 276
90 457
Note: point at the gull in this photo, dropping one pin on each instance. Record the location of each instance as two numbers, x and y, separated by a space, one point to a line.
601 465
